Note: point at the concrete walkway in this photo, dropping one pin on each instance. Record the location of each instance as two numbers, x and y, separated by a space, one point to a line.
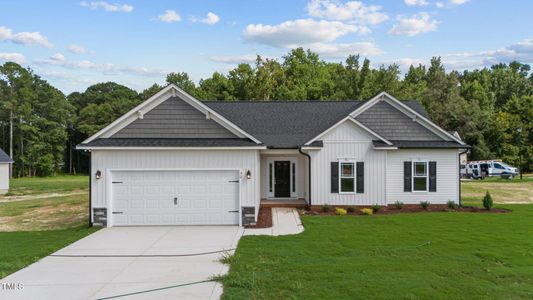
284 221
82 277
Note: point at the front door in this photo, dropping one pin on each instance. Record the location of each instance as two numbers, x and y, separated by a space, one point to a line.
282 176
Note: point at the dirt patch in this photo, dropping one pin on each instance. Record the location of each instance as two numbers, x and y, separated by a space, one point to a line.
316 210
47 217
264 219
40 196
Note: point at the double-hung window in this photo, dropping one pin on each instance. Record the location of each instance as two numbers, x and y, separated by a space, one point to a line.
420 176
347 177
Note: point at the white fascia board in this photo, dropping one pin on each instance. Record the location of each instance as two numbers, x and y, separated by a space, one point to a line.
406 110
356 123
171 148
167 92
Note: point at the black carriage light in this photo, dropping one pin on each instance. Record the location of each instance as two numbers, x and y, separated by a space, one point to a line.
98 174
248 175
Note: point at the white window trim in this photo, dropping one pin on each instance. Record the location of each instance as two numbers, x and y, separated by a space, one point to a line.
272 160
353 162
413 176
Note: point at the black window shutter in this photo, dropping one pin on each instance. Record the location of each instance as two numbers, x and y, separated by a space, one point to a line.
432 176
334 177
360 172
407 176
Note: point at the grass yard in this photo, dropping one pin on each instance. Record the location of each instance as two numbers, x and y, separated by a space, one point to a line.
40 185
513 191
404 256
45 203
19 249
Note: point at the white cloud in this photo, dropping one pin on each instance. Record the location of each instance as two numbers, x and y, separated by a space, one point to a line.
58 57
115 7
333 50
416 2
210 19
355 11
439 4
170 16
14 57
234 59
521 51
76 49
24 38
414 25
107 68
299 32
458 2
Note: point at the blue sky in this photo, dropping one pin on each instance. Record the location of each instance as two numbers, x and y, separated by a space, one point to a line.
74 44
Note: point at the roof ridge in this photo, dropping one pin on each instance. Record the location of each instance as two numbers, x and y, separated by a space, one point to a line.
293 101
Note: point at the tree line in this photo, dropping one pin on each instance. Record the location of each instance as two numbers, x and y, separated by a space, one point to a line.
491 108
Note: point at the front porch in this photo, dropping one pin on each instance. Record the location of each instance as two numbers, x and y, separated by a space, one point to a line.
284 178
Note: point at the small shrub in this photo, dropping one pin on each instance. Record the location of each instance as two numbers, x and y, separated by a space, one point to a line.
350 208
325 208
375 208
340 211
367 211
487 201
398 204
424 204
451 204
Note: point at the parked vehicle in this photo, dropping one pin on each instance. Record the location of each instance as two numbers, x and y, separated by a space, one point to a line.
483 168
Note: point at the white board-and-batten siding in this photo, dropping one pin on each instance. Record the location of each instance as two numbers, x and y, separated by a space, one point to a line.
108 160
348 141
447 175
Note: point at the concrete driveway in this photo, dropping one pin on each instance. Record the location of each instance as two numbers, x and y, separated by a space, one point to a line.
96 277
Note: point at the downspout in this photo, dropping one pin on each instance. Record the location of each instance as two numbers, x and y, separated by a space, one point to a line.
309 166
460 153
90 189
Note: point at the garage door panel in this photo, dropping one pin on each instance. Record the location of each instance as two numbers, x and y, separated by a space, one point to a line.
147 197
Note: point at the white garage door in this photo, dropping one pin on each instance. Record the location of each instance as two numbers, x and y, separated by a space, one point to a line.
175 198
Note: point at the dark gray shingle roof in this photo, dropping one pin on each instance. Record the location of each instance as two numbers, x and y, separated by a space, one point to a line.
4 158
421 144
171 143
288 124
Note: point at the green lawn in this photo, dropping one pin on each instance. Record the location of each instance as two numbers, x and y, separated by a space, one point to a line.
55 184
19 249
468 256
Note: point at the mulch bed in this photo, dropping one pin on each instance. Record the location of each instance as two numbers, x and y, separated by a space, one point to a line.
264 219
408 209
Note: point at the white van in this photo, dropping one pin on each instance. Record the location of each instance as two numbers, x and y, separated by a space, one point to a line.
483 168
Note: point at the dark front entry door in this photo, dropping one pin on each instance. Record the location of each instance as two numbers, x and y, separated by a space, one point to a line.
282 174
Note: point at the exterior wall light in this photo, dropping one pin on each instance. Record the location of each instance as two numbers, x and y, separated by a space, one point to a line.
98 175
248 175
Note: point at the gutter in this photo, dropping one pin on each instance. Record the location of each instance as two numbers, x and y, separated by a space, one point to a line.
309 166
459 159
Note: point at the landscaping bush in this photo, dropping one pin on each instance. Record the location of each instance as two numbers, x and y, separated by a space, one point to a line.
398 204
367 211
340 211
424 204
375 208
487 201
350 208
451 204
325 208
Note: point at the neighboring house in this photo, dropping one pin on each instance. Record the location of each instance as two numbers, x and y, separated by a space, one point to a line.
5 162
174 160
